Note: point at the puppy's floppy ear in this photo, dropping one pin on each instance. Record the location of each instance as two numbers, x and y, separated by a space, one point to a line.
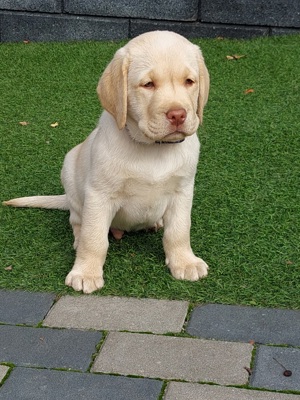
112 87
203 86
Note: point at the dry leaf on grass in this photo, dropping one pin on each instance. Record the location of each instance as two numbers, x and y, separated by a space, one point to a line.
54 125
9 268
247 91
235 57
23 123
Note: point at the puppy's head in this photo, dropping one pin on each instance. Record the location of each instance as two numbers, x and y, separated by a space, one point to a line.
158 86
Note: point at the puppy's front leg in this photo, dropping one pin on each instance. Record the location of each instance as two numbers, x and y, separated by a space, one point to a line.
87 272
180 258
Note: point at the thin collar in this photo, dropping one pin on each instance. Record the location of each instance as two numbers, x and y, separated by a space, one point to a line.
158 141
166 142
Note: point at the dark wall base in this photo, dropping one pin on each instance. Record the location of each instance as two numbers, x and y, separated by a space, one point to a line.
66 20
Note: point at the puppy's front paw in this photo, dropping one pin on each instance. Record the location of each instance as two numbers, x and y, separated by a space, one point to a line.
191 271
86 283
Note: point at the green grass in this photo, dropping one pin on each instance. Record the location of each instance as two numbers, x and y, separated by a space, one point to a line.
246 205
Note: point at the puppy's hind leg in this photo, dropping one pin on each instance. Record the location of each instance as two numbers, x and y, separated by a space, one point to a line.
156 227
117 233
159 224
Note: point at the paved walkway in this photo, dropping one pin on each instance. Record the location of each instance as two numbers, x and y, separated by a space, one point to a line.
111 348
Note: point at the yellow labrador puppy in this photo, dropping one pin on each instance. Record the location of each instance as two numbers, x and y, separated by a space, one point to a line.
136 170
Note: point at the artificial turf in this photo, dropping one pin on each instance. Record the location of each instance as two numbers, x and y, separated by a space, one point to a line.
245 219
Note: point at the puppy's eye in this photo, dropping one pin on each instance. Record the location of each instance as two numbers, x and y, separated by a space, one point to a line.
149 85
189 82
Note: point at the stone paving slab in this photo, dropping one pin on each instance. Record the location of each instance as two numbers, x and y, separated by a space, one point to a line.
239 323
194 391
117 313
37 384
144 355
268 373
18 307
170 357
49 348
3 371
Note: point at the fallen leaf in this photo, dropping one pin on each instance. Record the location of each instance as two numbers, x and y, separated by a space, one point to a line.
247 91
289 262
287 372
235 57
26 41
252 342
23 123
9 268
54 125
238 56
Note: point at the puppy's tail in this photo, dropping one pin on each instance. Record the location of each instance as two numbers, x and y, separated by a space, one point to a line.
59 202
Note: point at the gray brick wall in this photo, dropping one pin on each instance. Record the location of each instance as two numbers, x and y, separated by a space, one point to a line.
65 20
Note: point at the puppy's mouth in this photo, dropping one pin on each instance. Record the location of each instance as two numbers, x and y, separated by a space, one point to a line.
175 137
152 134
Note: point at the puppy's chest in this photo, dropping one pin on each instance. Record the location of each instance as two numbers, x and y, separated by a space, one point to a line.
143 201
155 174
149 186
143 195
